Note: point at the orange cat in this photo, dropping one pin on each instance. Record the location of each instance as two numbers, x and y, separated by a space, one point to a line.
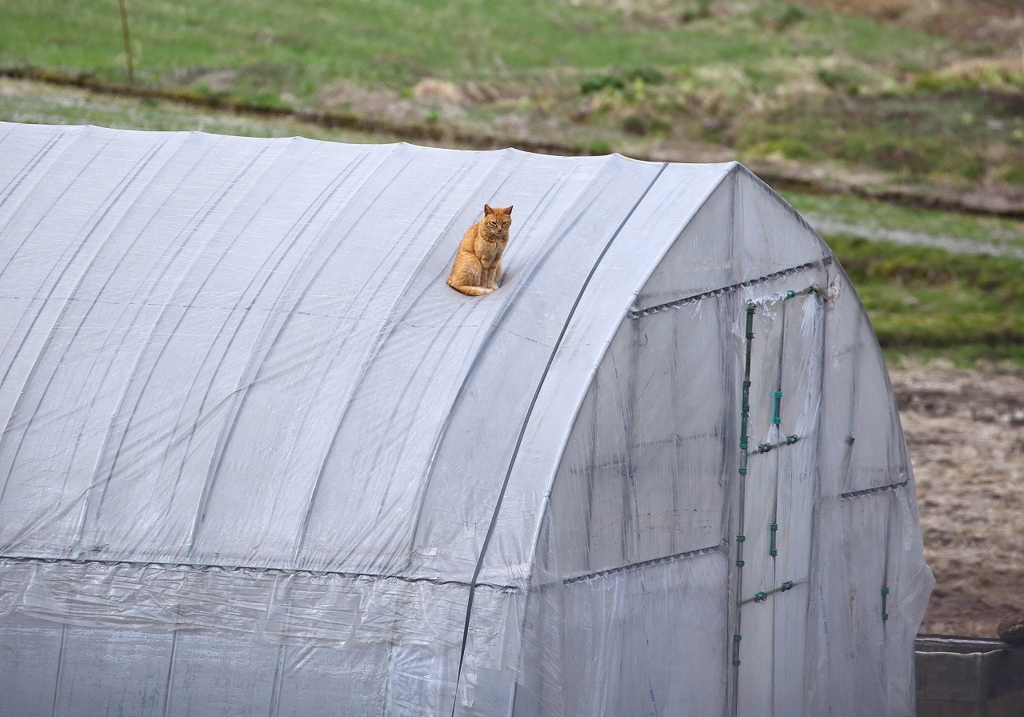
477 266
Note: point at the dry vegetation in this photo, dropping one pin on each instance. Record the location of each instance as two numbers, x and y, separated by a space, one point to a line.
965 430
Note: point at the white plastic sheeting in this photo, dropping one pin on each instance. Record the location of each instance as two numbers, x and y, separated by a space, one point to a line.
258 458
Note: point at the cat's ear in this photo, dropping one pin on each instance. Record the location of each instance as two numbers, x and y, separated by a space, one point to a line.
487 210
509 210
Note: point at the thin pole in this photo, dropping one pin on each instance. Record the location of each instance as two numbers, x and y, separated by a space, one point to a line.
127 42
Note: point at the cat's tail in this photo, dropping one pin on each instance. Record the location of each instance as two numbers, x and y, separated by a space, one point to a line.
471 290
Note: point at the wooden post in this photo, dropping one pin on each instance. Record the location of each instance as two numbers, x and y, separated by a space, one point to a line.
127 42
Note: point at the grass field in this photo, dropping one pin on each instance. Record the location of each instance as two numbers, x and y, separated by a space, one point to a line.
759 78
298 44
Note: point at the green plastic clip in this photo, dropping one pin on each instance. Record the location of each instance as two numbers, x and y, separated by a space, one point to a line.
760 596
743 471
740 563
790 440
772 549
885 593
736 650
790 294
788 585
750 321
764 447
778 407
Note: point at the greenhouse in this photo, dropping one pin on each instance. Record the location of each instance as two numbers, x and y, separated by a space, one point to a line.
259 459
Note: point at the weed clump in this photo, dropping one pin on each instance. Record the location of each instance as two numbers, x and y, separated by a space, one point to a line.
621 80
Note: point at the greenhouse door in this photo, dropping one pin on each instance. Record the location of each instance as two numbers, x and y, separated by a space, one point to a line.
779 420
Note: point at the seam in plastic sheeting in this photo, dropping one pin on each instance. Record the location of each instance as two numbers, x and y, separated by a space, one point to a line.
254 570
640 313
876 489
644 564
265 606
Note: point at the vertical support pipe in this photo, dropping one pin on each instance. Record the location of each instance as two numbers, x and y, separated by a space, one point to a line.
127 42
740 538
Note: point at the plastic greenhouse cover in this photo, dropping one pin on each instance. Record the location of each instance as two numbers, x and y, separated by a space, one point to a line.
254 442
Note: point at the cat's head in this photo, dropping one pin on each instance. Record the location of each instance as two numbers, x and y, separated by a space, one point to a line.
497 219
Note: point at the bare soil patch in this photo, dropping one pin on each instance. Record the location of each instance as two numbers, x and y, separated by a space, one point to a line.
965 430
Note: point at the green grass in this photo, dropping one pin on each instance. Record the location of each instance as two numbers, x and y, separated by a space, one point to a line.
932 303
299 44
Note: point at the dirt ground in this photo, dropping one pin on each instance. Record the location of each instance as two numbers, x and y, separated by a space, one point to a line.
965 430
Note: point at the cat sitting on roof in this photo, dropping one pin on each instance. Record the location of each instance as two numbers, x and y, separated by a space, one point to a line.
477 266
